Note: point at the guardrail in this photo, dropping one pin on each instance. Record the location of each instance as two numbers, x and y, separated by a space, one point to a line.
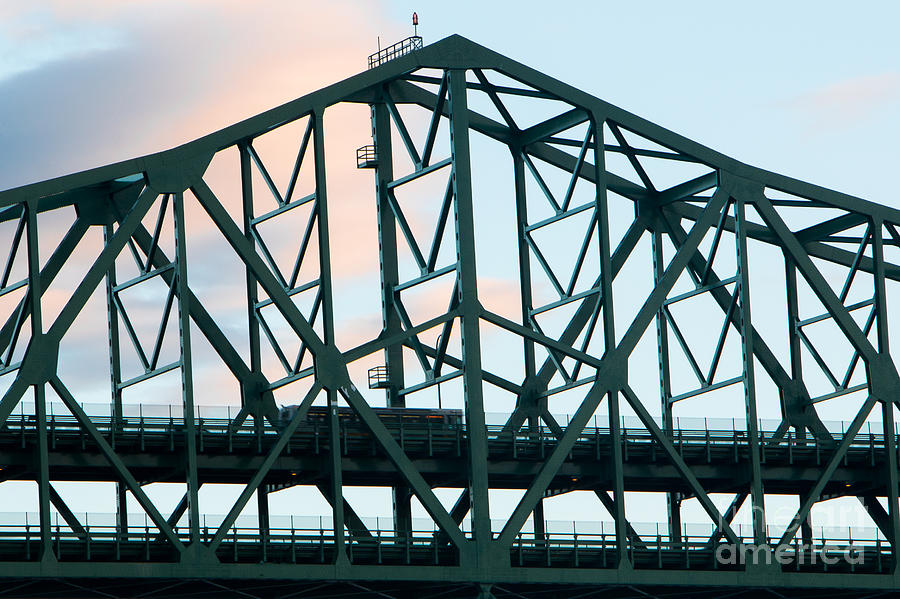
20 524
397 50
366 157
869 553
422 436
100 412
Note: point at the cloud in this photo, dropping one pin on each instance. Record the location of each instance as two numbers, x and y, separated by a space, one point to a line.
180 70
849 101
177 71
169 73
31 36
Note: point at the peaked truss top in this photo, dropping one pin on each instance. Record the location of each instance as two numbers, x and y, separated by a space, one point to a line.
453 51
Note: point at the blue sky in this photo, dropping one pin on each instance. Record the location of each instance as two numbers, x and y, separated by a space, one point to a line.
808 89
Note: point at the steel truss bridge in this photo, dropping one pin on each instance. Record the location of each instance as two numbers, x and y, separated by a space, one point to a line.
828 262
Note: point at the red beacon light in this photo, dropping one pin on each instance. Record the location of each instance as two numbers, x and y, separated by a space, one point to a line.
416 23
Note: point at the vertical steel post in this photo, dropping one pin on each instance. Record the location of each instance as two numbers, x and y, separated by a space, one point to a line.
252 290
757 499
40 406
538 518
387 257
793 317
524 257
673 498
187 381
262 515
806 529
609 341
387 250
115 375
470 308
527 401
887 403
321 208
115 365
252 286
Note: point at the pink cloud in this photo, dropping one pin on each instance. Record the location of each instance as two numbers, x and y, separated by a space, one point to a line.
177 70
184 70
850 100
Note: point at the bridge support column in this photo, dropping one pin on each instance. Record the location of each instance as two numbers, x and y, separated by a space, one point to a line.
387 255
538 518
470 309
262 511
609 342
806 528
187 384
122 510
757 499
787 410
40 406
528 401
887 403
788 405
251 284
115 377
673 498
890 447
325 289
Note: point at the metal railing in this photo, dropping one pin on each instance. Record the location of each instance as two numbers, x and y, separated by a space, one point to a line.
315 543
379 378
17 524
690 426
366 157
393 51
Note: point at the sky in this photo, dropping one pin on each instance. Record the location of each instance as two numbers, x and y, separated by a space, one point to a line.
811 92
807 90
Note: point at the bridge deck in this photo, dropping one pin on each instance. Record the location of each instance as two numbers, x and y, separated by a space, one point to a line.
152 449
